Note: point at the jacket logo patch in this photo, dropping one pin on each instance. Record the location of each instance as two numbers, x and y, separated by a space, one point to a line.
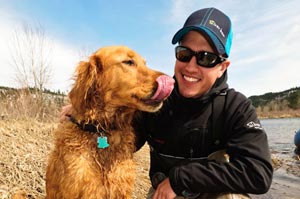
254 125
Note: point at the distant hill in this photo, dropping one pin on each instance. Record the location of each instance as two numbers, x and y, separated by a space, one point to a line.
290 97
279 104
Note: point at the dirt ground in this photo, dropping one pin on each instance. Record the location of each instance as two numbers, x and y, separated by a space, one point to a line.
25 145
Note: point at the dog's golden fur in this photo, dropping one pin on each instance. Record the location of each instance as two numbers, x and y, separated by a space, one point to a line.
108 90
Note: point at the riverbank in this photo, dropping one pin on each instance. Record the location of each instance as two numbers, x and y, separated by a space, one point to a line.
278 114
286 179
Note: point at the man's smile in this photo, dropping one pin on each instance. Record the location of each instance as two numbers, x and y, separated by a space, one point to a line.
190 79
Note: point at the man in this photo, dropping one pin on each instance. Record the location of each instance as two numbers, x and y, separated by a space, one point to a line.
203 116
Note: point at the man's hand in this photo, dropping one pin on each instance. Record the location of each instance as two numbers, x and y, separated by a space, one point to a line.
164 190
65 113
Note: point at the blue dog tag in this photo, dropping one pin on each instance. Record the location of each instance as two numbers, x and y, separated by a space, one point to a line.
102 142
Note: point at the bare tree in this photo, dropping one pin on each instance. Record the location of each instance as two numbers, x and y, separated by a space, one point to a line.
31 58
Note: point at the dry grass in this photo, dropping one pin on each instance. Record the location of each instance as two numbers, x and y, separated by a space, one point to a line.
24 104
24 149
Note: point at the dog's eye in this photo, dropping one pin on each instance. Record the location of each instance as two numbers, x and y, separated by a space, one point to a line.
129 62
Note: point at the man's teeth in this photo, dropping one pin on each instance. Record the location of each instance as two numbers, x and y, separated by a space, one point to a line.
190 79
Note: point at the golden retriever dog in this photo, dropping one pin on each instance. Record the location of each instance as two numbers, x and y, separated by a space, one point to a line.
93 153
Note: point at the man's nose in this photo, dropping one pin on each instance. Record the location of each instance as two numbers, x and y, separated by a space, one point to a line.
192 64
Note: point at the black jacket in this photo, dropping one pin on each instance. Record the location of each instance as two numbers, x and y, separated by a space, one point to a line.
180 137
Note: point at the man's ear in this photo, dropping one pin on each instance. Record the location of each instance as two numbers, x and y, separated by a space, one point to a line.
223 67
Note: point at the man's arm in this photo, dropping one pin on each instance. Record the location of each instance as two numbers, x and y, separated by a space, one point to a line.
249 170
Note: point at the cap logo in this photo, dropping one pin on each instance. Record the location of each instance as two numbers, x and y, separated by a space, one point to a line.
213 23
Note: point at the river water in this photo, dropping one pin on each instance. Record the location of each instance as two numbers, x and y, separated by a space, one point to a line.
281 134
286 180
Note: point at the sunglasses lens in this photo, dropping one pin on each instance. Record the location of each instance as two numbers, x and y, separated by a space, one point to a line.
183 54
207 59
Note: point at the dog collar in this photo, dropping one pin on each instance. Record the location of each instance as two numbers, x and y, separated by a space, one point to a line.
93 128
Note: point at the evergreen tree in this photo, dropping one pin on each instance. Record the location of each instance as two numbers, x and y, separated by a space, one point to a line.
294 100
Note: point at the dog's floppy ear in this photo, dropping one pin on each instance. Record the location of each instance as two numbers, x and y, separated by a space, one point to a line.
83 93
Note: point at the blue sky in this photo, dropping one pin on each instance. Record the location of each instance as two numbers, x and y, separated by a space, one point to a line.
265 54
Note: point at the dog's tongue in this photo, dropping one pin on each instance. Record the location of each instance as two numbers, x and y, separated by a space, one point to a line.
164 89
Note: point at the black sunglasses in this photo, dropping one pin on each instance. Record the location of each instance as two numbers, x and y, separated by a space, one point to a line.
204 58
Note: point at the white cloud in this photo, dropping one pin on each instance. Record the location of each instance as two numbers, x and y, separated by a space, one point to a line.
65 59
7 25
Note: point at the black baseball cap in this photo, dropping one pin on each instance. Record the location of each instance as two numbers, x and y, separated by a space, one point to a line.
214 24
